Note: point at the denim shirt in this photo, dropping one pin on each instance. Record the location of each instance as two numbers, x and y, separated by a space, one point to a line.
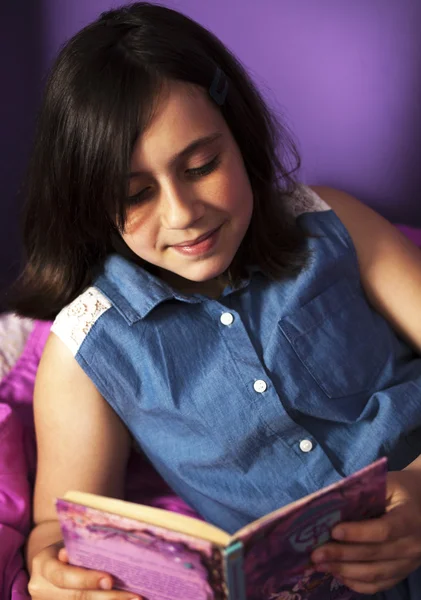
250 401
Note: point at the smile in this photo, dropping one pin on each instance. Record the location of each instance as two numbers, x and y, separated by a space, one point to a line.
200 245
197 240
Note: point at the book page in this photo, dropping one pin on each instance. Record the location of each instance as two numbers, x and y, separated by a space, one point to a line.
144 559
277 549
154 516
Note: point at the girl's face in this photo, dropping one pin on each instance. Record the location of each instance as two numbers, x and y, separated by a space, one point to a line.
191 199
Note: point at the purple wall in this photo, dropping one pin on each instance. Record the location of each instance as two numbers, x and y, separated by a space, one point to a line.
346 75
21 60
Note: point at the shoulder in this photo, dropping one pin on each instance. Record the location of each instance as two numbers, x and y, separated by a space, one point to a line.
365 226
305 199
86 453
369 231
74 321
339 200
389 263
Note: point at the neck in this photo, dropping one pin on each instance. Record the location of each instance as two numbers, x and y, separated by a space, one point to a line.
212 288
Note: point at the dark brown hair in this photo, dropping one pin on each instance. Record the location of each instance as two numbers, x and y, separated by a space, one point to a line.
76 188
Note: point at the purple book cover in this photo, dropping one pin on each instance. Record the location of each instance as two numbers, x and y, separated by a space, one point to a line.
160 564
157 563
277 553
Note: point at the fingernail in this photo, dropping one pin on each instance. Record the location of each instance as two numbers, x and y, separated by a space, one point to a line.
62 555
338 534
319 556
322 567
105 584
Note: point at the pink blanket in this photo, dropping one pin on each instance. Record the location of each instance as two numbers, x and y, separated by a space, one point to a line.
17 468
17 464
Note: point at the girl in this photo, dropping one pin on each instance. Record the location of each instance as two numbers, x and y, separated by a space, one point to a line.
256 338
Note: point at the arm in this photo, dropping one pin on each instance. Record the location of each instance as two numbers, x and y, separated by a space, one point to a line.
375 555
390 264
82 444
390 267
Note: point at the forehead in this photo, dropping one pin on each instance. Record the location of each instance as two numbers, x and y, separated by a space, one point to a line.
181 114
181 104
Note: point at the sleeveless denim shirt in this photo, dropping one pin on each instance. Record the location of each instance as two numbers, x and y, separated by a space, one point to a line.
250 401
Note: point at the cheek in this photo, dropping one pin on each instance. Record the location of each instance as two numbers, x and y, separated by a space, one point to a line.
139 233
141 221
237 189
222 194
239 198
136 219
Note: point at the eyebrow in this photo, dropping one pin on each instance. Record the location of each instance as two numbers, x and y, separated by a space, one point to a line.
188 150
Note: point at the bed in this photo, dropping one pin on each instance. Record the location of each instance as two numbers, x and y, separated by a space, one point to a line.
357 117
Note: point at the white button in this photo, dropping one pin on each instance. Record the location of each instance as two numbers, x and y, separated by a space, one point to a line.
260 386
306 446
227 319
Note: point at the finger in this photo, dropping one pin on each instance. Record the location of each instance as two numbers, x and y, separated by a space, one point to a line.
96 595
68 577
63 556
369 588
406 548
114 595
375 572
390 526
39 587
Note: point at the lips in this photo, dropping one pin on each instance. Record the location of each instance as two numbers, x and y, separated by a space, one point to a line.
189 243
201 246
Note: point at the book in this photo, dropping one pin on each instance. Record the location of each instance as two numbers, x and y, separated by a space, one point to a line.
162 555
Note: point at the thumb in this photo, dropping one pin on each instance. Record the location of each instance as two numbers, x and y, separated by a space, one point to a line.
63 556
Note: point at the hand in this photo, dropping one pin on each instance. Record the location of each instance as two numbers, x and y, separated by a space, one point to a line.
54 579
376 554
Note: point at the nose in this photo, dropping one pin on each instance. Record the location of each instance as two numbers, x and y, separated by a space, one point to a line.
180 208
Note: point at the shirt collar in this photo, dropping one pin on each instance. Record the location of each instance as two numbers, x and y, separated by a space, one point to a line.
132 290
135 292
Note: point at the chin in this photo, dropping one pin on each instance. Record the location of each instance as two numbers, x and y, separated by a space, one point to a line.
207 274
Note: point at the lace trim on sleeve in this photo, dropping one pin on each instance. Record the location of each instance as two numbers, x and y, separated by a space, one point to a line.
306 200
74 322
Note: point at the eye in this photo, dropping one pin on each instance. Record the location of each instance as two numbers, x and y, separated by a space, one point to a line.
137 198
199 172
204 169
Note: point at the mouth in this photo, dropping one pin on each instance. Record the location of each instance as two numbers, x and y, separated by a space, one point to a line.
201 245
202 238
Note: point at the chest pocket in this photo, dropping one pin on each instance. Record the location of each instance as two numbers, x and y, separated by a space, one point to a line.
340 339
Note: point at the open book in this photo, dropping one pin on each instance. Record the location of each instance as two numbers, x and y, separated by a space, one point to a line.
163 555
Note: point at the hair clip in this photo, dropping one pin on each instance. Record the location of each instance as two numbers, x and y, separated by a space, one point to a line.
219 96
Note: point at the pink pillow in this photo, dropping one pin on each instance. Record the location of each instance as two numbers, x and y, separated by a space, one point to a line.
413 233
17 446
